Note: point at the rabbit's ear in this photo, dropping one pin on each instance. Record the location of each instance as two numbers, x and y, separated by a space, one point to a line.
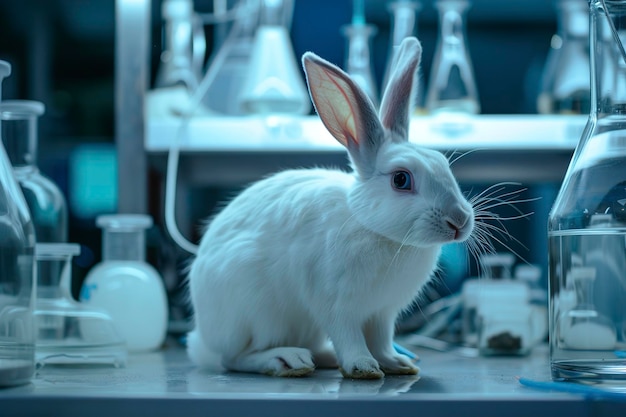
345 110
397 103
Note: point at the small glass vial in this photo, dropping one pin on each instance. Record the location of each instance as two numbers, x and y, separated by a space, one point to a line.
358 58
44 198
125 285
17 275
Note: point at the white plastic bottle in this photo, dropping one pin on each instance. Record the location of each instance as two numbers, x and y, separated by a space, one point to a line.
125 285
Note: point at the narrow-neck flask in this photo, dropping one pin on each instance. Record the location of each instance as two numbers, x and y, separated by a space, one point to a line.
125 285
17 275
44 198
587 223
565 81
452 86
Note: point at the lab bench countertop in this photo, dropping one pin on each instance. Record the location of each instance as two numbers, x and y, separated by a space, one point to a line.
166 383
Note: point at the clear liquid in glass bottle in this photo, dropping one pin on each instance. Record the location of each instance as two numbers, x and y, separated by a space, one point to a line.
587 223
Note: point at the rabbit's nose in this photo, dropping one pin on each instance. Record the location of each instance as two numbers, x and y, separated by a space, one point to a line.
460 221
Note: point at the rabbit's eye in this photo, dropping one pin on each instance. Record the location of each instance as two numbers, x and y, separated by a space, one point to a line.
402 181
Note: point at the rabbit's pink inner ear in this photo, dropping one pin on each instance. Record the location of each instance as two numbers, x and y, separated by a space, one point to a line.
333 99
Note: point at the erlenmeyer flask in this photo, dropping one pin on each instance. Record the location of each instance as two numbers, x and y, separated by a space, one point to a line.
565 81
403 24
274 82
222 95
587 223
17 275
45 200
452 87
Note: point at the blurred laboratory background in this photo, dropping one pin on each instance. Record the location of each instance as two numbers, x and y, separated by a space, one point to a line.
64 54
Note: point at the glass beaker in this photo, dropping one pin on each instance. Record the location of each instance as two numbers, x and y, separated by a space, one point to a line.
452 87
403 24
565 81
587 223
125 285
45 200
17 275
69 332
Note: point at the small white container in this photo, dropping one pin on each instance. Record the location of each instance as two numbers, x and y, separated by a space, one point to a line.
126 286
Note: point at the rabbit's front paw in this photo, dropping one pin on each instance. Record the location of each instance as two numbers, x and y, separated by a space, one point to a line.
290 361
398 365
361 368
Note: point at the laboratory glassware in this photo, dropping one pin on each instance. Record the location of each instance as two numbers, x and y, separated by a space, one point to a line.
45 200
17 275
358 61
587 223
452 86
125 285
222 95
184 45
565 85
69 332
274 83
403 24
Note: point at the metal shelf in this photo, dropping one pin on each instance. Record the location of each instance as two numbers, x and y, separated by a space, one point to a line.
231 150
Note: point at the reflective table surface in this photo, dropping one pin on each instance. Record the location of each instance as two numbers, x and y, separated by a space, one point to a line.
166 383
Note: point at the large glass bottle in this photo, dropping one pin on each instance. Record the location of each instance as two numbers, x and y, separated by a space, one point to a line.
587 224
17 275
44 198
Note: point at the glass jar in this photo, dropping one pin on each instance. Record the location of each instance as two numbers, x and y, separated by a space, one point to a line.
17 275
587 223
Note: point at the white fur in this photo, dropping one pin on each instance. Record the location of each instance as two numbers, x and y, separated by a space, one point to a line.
309 255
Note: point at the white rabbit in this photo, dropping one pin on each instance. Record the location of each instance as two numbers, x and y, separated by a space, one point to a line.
311 255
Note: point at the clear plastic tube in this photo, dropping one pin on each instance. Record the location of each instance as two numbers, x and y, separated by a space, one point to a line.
174 153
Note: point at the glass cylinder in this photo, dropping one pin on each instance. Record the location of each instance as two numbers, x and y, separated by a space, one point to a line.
452 87
44 198
587 223
125 285
17 275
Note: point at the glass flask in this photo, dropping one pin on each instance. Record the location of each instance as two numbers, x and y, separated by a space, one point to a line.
17 275
587 223
274 82
358 59
69 332
403 24
223 94
565 81
45 200
184 45
125 285
452 86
